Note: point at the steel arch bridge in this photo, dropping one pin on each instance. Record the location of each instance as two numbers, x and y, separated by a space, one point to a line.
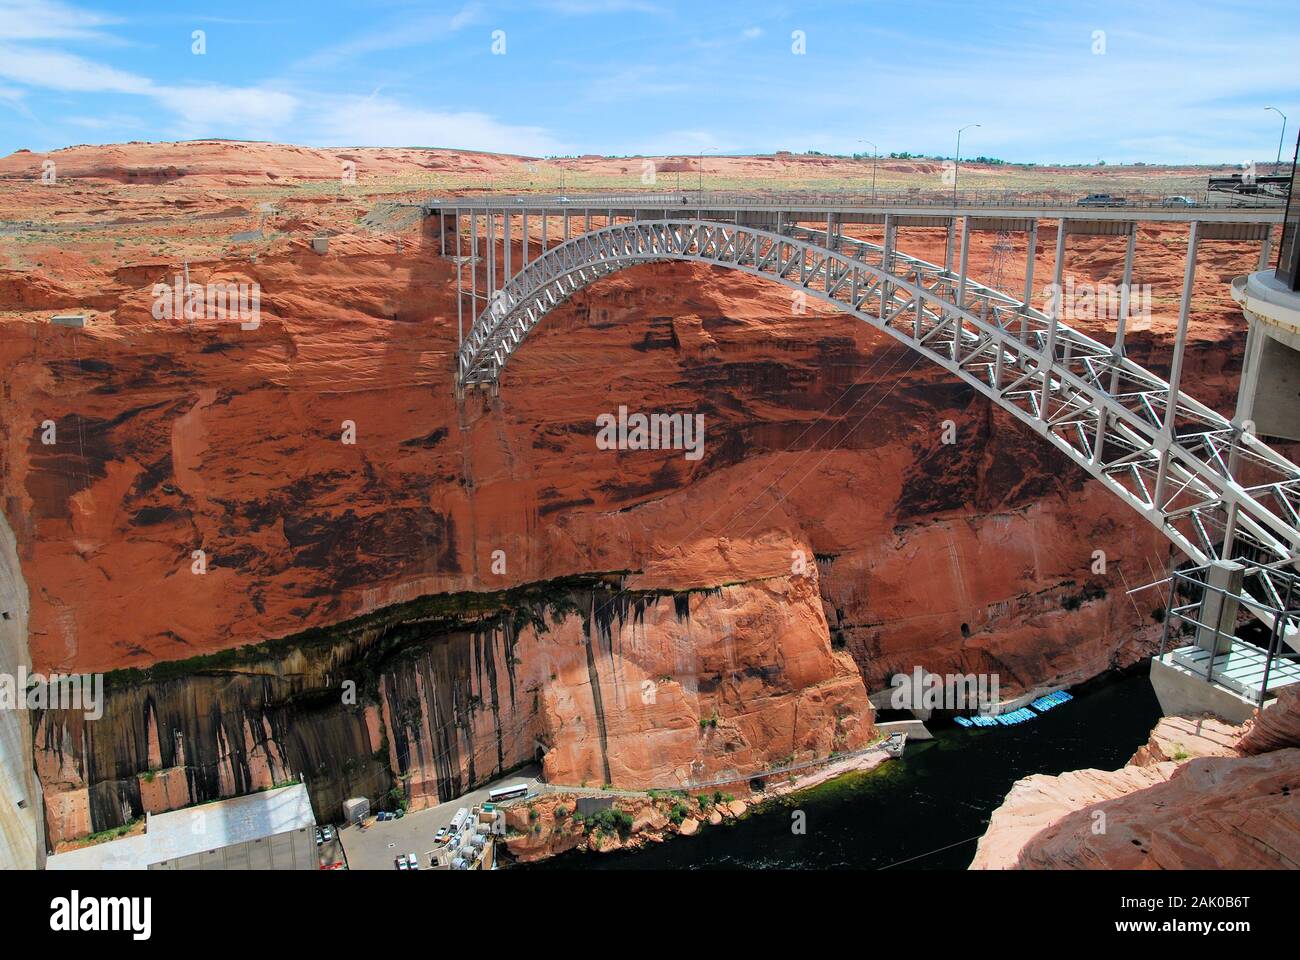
1214 489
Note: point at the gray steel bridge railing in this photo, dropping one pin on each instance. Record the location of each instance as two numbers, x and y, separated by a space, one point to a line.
938 197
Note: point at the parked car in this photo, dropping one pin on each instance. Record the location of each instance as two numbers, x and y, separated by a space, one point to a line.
1100 200
441 835
327 834
412 861
400 860
1177 202
320 837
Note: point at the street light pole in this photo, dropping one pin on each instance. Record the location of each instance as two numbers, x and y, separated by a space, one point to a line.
957 163
702 150
875 155
1277 166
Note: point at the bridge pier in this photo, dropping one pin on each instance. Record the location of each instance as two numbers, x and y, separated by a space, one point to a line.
1053 316
507 220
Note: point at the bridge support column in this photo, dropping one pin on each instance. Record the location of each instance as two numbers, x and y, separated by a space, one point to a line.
506 245
1250 364
460 299
1180 338
1266 250
1125 302
564 219
473 266
1031 251
1053 317
886 261
1219 605
1176 365
965 262
961 290
491 257
947 249
1125 294
524 254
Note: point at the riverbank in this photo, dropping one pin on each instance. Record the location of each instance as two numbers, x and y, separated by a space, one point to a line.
554 823
924 811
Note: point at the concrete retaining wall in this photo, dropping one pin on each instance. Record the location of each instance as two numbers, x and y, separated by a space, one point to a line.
22 824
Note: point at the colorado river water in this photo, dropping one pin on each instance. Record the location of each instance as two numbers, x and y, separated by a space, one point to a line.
903 814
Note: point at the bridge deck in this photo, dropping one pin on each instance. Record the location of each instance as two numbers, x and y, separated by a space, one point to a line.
856 208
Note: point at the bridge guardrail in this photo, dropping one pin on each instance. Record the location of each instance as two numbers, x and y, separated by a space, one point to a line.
939 198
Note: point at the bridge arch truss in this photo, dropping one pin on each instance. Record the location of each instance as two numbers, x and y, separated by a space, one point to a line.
1214 489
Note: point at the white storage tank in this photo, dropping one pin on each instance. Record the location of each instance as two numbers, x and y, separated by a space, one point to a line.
355 809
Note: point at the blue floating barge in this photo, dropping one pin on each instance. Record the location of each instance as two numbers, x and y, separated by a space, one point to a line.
1043 704
1015 717
1011 719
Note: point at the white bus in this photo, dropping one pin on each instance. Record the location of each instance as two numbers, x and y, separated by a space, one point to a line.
508 793
458 821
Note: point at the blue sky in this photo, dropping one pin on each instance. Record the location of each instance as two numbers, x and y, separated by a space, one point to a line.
1176 82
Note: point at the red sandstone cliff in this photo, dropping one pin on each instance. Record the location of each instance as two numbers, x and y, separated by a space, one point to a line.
823 439
1199 795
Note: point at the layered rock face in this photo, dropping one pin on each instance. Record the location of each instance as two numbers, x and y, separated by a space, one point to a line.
428 698
827 516
1199 795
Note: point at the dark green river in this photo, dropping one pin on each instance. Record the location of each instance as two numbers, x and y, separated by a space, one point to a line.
904 813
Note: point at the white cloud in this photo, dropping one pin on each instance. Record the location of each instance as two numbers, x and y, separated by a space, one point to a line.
49 20
208 110
405 32
470 13
54 70
380 121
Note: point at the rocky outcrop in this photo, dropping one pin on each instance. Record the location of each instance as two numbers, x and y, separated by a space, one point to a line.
1212 813
554 824
1276 727
1193 797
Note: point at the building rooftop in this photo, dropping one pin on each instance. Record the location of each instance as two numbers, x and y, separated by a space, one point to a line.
208 826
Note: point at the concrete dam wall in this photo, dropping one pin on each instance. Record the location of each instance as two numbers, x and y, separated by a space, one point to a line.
22 837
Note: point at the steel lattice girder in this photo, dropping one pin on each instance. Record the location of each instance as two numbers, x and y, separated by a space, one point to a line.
1101 409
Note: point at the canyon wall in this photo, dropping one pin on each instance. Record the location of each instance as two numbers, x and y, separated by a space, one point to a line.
206 488
427 698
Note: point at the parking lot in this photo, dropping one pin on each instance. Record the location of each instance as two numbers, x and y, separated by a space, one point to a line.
330 851
375 844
